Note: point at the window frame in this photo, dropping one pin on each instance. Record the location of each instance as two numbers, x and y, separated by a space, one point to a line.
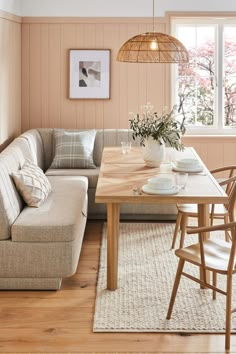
218 22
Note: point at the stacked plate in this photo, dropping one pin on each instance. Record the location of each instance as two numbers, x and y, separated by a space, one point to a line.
187 165
160 185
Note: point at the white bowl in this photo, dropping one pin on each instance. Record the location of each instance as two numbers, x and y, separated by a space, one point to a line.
160 183
187 163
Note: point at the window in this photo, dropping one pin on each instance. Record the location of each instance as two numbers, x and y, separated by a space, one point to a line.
205 88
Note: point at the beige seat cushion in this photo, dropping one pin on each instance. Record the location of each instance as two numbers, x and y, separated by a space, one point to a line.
58 218
219 209
91 174
216 253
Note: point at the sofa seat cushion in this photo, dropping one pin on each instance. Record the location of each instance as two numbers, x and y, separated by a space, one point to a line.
58 218
91 174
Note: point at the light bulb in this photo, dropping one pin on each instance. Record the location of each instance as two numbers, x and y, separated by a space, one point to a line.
154 45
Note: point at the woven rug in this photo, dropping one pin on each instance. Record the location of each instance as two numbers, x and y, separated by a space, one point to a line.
147 270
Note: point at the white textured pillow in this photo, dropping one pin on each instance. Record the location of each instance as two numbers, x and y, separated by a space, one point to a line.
32 184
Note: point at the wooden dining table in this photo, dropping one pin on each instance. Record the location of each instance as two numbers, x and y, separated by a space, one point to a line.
120 174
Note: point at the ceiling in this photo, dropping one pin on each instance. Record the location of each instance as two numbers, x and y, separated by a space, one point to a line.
111 8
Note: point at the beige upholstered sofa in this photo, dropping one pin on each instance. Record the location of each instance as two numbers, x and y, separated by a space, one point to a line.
41 246
107 137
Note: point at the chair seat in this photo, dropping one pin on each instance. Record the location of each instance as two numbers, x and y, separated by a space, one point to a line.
216 254
191 209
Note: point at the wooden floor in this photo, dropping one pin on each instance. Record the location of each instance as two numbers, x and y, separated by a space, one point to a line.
61 321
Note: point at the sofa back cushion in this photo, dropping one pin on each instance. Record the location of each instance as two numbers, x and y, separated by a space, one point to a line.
110 137
48 142
36 147
104 137
11 204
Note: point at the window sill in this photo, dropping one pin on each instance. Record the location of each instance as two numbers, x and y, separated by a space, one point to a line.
224 132
209 138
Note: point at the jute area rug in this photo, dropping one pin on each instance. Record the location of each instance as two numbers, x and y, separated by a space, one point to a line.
147 270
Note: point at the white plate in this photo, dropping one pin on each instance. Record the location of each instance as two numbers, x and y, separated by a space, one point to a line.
148 190
188 170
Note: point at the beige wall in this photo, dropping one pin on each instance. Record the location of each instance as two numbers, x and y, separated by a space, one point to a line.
45 68
215 151
45 44
10 77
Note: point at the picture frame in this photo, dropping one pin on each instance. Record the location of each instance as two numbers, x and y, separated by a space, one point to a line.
89 73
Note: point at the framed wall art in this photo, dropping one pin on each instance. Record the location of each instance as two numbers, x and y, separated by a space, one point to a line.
89 73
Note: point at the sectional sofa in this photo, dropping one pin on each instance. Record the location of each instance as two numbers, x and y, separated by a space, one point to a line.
41 246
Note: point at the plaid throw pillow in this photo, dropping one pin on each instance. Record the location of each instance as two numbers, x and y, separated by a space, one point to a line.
74 149
32 184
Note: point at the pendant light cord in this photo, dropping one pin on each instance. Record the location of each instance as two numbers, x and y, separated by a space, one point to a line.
153 14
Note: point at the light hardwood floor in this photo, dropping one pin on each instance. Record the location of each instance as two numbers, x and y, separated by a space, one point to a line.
61 321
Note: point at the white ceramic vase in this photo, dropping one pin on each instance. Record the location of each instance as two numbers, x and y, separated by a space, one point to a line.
153 152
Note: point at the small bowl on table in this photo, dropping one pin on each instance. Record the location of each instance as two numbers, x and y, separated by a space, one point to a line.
188 164
161 183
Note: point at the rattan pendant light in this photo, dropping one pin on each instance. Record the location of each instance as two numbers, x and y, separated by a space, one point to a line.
153 47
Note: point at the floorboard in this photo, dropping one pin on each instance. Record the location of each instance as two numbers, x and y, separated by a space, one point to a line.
61 321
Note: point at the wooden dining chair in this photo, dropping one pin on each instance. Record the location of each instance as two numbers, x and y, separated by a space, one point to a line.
227 171
217 256
217 211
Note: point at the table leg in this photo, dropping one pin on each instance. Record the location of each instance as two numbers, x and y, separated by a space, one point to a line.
113 219
204 220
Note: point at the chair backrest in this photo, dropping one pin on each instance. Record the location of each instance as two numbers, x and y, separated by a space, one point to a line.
226 172
232 201
231 263
230 184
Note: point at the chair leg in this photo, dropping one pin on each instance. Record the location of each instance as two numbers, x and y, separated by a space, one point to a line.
175 288
226 220
212 215
177 226
184 224
214 283
181 224
228 311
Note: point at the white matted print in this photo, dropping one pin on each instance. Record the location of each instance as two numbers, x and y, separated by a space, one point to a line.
89 74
